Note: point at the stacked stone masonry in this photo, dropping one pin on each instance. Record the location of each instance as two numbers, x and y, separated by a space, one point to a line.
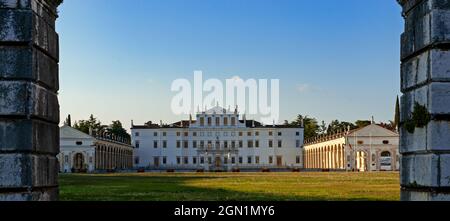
425 81
29 109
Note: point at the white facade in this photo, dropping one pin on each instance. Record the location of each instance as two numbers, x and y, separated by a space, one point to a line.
217 140
372 148
80 152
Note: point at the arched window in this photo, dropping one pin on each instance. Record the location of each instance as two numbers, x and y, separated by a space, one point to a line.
217 121
386 154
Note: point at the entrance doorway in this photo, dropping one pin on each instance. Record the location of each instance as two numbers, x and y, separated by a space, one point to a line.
279 161
78 162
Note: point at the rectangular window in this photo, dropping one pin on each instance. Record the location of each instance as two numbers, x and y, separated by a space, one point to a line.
137 143
164 160
202 121
233 160
297 144
178 144
256 159
136 134
202 144
136 160
178 134
209 160
66 159
257 133
249 134
233 144
165 144
194 134
241 134
155 144
280 144
225 160
270 133
249 160
164 134
186 134
240 160
225 144
194 144
270 159
186 144
241 144
233 121
155 134
202 160
209 121
225 121
178 160
297 160
297 133
186 160
280 134
217 121
257 143
270 143
250 144
194 160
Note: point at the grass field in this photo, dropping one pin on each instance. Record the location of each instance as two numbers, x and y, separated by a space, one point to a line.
230 186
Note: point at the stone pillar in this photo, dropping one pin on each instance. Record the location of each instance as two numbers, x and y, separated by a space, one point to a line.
425 104
29 109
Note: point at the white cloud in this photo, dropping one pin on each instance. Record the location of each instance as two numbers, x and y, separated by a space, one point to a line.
304 88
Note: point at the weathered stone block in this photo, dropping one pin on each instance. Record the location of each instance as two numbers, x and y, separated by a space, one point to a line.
420 170
16 25
28 99
440 65
23 63
47 194
439 98
412 142
28 136
27 171
445 170
438 136
18 4
409 195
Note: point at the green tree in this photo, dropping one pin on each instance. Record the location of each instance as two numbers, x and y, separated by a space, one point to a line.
362 123
310 125
85 125
117 129
336 126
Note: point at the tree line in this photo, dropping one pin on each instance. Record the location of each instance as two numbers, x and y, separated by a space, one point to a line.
115 128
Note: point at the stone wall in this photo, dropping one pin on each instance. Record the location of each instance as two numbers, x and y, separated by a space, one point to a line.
425 104
29 109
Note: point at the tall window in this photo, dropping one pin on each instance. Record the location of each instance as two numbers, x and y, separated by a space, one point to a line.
270 159
250 144
233 121
194 144
194 160
297 144
249 160
233 160
217 121
297 160
225 121
270 133
202 160
270 143
186 160
136 134
164 160
240 160
209 121
256 159
241 144
164 134
178 144
257 143
202 121
178 134
280 144
241 134
137 143
178 160
164 144
155 134
155 144
186 144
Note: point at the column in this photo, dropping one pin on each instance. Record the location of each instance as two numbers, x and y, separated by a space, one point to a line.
29 140
424 142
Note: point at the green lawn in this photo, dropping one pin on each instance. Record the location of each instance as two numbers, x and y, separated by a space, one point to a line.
230 186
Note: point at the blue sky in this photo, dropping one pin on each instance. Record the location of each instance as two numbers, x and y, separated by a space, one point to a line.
334 59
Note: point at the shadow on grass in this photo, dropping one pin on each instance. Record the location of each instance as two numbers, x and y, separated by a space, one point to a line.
166 188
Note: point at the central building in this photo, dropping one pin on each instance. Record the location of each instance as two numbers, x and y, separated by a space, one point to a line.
218 140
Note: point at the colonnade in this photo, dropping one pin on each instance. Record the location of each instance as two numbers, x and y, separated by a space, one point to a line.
113 157
326 157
